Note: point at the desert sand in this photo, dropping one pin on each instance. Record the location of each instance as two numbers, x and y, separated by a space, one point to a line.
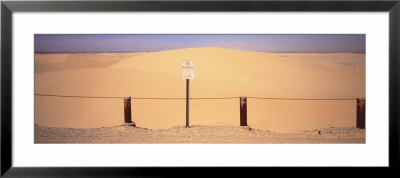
219 72
196 134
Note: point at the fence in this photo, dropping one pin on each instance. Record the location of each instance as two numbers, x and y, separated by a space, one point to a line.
360 113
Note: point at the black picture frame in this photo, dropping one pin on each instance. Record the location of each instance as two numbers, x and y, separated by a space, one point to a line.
8 7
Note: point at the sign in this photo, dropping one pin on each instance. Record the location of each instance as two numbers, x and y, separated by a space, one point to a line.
187 69
187 73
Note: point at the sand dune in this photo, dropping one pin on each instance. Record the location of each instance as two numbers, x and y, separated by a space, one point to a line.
264 73
218 73
52 62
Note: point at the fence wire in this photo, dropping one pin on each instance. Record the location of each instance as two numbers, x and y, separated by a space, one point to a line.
70 96
302 98
194 98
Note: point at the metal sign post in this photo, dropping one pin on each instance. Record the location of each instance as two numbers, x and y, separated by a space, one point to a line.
187 73
187 103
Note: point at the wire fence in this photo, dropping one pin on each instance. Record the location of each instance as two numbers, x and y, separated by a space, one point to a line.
302 98
243 104
72 96
181 98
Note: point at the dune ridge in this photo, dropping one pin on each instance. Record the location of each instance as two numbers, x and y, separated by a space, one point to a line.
54 62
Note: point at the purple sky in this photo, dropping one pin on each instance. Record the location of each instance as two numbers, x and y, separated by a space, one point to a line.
52 43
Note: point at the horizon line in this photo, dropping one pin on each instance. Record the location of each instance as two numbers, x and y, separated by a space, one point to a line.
72 52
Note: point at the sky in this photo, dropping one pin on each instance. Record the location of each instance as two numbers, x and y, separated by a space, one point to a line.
318 43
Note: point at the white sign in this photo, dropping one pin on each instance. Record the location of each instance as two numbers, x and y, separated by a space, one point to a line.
187 69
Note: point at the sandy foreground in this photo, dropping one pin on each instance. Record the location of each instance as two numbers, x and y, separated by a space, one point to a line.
195 134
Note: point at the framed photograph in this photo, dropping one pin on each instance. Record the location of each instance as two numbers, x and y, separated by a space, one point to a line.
137 88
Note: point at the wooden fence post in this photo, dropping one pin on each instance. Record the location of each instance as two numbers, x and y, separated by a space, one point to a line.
243 111
360 113
127 110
